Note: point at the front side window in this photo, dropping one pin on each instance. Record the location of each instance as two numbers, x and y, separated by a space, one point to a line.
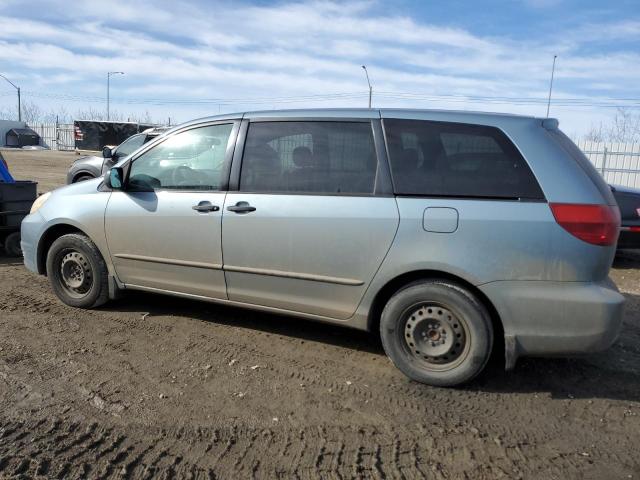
189 160
455 159
309 157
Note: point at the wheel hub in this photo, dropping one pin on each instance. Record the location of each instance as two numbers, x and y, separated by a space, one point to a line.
75 271
434 334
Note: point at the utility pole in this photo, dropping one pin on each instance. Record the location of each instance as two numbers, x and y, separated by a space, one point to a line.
108 79
364 67
19 103
553 69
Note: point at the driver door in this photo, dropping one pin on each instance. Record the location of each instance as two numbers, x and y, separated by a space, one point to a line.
164 229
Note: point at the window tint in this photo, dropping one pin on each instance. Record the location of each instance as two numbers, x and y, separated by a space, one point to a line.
313 157
454 159
190 160
129 145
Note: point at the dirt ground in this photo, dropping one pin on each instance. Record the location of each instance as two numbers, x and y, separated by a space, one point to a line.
153 386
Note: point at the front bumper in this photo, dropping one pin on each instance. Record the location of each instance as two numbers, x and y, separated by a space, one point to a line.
30 232
543 318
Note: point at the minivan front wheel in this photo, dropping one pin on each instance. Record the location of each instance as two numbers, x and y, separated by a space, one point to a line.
77 271
437 332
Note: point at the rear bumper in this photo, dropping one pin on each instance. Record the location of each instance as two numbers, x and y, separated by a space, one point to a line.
542 318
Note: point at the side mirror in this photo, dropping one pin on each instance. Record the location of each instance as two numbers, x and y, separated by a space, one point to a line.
114 178
107 153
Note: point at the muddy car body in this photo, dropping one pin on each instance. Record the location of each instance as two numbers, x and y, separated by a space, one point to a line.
443 231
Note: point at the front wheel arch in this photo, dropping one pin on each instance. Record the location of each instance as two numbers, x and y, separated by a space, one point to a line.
46 240
79 175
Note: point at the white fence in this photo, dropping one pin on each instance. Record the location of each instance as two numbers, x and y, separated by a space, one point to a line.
56 136
619 163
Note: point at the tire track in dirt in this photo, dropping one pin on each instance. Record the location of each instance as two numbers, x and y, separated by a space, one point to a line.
244 452
408 396
454 406
56 450
387 387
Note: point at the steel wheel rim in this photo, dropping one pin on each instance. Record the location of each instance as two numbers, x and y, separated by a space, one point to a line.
76 275
435 336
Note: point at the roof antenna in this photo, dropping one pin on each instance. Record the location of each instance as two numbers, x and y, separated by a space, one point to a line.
553 69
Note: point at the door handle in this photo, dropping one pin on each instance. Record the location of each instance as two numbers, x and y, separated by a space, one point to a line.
241 207
205 207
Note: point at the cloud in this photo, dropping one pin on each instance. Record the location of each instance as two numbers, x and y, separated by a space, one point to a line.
190 50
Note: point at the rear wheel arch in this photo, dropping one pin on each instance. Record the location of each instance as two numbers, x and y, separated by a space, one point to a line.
46 240
404 280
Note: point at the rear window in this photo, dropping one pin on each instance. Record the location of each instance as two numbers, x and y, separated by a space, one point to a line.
455 159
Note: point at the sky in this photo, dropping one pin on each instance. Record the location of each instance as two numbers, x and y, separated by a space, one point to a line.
188 59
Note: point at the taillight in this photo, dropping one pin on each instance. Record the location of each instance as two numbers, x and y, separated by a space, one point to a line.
635 229
595 224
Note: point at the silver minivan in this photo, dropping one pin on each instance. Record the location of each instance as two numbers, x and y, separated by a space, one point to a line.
449 233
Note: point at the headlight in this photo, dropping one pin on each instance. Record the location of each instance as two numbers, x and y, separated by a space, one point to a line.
39 202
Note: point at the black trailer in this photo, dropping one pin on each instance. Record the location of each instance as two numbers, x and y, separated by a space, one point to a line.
16 199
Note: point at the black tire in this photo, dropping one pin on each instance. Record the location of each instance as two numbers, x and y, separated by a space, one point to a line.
437 332
83 178
77 271
12 245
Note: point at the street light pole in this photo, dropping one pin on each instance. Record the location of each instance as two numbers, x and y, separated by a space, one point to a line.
18 89
553 69
108 85
364 67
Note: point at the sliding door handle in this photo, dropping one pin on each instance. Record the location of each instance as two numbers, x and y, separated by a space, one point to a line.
241 207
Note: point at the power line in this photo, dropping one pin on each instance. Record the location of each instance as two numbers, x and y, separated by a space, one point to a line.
602 102
221 101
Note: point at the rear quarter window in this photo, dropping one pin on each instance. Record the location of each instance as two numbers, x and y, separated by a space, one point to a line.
459 160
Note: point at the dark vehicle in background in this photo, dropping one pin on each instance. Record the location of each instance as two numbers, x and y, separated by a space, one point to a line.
92 166
629 202
16 198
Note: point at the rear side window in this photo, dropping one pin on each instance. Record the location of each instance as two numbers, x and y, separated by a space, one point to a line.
455 159
309 157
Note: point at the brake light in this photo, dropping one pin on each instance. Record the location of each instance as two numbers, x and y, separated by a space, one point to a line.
595 224
635 229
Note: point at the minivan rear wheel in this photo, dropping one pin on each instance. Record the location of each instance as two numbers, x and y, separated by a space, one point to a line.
437 332
77 271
